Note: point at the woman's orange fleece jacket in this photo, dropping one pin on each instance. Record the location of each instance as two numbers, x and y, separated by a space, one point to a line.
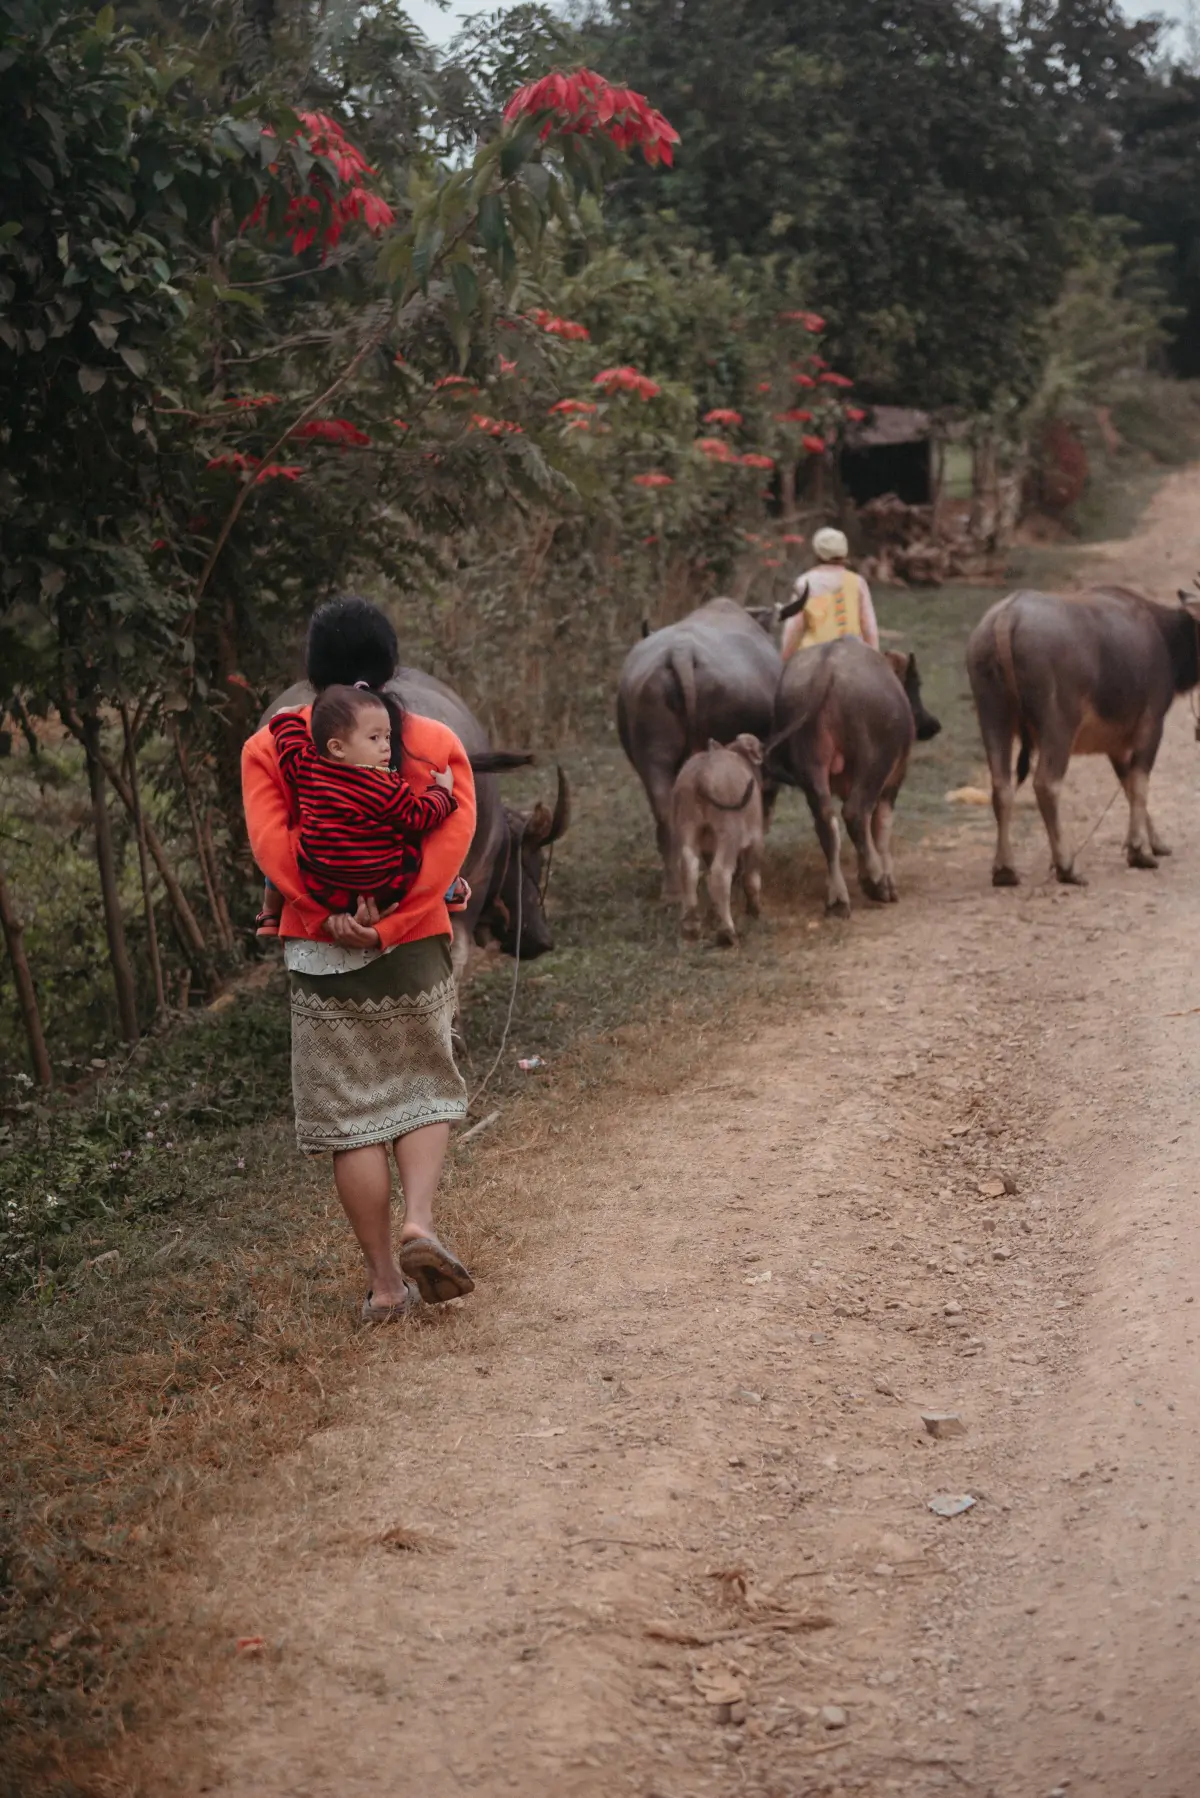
274 833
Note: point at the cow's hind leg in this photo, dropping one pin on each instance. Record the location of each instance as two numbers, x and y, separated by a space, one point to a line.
858 813
998 737
751 871
881 830
688 881
1052 763
820 804
720 892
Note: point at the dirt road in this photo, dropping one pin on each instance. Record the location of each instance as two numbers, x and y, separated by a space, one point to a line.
651 1515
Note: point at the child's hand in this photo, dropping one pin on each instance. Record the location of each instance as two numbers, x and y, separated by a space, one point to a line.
444 777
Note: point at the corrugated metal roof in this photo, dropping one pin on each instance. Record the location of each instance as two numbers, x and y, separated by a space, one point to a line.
890 424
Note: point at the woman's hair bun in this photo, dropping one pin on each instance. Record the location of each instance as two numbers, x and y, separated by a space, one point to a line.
350 640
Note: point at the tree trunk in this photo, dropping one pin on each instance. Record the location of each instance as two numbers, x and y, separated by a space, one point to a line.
114 924
208 873
194 938
139 819
31 1017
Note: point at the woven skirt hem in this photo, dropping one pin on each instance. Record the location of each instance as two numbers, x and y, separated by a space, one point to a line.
447 1112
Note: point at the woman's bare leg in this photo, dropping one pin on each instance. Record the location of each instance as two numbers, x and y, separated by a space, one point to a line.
419 1158
363 1178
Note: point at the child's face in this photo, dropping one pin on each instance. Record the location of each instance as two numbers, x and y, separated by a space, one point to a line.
368 744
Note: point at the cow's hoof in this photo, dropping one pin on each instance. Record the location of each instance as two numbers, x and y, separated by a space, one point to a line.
1140 858
689 930
1160 848
890 893
726 939
1005 877
838 908
1067 877
876 890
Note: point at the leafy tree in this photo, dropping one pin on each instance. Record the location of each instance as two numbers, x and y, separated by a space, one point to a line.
897 147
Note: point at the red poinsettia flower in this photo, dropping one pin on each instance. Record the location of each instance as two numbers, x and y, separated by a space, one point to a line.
812 321
832 380
626 380
764 387
655 479
572 406
722 415
401 424
579 424
715 448
792 537
818 362
586 103
752 459
495 427
234 459
330 430
453 381
797 416
855 414
274 471
804 380
252 401
560 327
339 165
507 367
771 562
816 445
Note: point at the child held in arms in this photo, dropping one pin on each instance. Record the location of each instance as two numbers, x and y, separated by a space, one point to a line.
361 823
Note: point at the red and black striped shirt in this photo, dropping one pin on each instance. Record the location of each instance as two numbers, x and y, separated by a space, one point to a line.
360 828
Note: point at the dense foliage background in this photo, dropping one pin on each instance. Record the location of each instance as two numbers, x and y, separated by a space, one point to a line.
287 306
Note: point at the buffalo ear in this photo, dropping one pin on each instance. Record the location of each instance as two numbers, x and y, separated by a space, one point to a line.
538 826
713 744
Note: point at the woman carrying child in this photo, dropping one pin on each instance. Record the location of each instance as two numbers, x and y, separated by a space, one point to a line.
361 815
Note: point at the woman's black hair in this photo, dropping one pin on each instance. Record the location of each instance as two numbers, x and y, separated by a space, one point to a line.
351 640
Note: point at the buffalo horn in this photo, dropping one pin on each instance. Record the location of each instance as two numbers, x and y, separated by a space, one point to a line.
544 826
562 809
499 761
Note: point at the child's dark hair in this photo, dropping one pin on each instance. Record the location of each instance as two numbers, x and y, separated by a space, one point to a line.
350 640
336 710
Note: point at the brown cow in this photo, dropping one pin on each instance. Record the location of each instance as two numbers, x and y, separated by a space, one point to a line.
845 720
1083 674
717 819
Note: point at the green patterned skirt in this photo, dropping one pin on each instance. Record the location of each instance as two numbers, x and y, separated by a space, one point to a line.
372 1056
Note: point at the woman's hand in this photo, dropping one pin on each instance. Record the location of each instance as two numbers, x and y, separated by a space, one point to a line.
368 910
349 933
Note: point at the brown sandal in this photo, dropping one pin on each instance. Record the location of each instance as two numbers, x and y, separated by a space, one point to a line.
391 1314
438 1274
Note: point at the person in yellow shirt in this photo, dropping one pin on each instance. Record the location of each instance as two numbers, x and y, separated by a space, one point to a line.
829 601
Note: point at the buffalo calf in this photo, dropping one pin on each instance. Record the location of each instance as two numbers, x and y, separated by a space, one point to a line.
717 820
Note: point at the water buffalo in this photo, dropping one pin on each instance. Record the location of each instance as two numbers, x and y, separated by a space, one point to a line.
717 818
711 676
1082 674
506 862
845 720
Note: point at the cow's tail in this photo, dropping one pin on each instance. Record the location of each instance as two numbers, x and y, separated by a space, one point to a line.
683 664
1004 654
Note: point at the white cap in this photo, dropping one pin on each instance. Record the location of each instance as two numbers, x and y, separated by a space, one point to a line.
830 545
